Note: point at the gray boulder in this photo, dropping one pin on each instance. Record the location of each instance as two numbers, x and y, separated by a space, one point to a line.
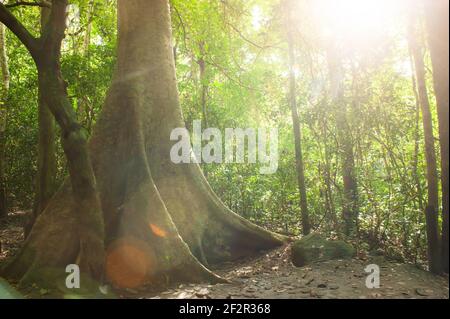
315 247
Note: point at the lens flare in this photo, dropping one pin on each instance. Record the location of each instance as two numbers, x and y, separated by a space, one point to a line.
357 23
128 263
158 231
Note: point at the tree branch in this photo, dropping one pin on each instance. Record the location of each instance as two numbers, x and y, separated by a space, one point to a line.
54 29
31 4
247 39
11 22
181 23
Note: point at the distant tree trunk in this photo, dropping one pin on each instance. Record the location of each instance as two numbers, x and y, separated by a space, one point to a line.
306 226
87 34
328 181
416 140
84 107
349 146
46 161
415 165
203 93
350 200
437 18
163 222
203 85
350 209
4 90
432 208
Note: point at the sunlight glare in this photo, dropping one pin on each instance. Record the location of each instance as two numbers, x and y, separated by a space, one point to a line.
257 17
354 20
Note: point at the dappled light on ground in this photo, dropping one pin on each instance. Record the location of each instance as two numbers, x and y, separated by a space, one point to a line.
273 276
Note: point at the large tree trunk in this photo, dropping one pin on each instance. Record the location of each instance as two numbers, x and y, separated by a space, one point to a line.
438 24
432 208
163 222
306 226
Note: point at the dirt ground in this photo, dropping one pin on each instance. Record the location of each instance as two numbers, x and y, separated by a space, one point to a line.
11 234
272 275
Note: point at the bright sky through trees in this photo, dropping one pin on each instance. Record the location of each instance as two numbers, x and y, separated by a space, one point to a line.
355 19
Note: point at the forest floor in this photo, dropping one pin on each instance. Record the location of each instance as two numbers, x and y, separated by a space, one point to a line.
272 275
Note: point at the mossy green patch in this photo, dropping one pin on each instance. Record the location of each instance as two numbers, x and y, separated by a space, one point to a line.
7 291
315 247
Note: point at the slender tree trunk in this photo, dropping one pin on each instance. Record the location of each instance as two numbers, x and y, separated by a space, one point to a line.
437 18
46 161
84 107
87 34
203 93
306 226
416 141
432 208
350 206
328 180
74 142
350 145
4 90
203 85
350 209
415 164
48 245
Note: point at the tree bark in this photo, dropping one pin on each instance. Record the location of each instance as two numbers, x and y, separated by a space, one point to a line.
46 161
306 225
415 161
330 207
350 200
4 91
50 244
203 93
87 34
85 109
437 21
432 208
163 223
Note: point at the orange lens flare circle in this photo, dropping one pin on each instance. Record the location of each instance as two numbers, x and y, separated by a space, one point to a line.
128 263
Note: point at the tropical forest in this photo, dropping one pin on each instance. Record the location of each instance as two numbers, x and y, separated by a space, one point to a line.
224 149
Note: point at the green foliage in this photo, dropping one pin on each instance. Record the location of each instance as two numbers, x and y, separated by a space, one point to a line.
21 126
87 72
